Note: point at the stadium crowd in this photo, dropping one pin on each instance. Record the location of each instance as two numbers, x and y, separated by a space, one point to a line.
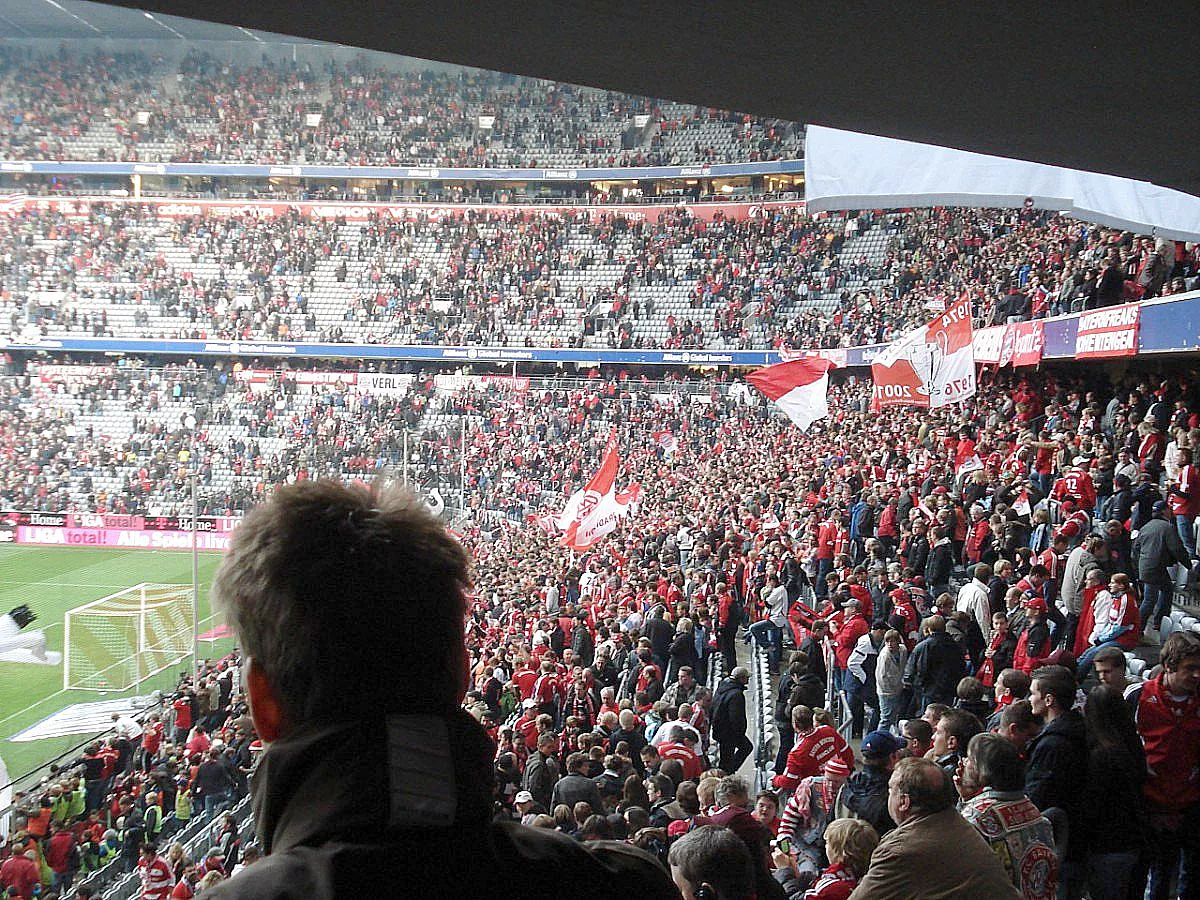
205 110
945 602
535 278
971 613
123 800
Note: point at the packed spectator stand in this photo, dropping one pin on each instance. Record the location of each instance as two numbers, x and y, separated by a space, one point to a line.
525 278
719 517
85 107
895 605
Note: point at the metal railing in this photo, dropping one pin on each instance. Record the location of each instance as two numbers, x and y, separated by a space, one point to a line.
716 671
764 707
197 839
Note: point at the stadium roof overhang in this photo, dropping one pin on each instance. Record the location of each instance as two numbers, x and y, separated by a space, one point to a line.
1106 88
68 20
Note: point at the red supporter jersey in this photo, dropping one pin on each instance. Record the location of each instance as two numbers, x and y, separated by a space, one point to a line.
1184 500
692 766
808 756
525 680
183 713
825 540
1170 730
1077 484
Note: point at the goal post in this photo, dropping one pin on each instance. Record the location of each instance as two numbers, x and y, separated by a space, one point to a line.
118 641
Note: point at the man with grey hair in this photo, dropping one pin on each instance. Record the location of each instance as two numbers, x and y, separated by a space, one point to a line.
733 812
712 862
349 605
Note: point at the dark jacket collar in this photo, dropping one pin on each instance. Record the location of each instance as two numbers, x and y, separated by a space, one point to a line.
339 780
1070 725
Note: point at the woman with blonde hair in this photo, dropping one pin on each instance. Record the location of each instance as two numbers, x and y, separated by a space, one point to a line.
210 880
178 860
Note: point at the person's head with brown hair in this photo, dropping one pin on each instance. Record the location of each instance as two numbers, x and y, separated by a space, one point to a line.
1012 683
564 817
1180 658
687 797
1018 724
954 730
1111 666
582 811
802 719
918 787
969 688
346 601
634 793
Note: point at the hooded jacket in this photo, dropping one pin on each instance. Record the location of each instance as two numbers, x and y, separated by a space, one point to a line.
363 809
865 795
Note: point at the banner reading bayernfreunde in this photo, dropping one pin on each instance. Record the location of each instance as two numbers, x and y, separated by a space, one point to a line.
931 366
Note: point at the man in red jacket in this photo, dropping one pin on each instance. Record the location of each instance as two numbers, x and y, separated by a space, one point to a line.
1167 710
727 624
826 537
20 872
60 856
814 746
977 534
854 626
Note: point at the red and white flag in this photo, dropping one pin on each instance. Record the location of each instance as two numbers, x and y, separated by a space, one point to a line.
799 387
971 464
1021 505
547 522
667 442
593 512
931 366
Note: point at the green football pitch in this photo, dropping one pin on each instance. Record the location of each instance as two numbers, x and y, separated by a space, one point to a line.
52 580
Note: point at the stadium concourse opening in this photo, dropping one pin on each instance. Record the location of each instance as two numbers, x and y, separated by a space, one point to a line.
765 507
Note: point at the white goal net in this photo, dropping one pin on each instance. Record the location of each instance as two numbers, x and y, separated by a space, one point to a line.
118 641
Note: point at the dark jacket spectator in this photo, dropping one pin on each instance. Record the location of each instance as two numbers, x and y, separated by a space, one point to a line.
541 774
1156 548
936 666
574 788
729 710
1056 773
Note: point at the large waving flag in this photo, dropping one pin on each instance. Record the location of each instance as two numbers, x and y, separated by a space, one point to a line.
593 512
799 387
931 366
